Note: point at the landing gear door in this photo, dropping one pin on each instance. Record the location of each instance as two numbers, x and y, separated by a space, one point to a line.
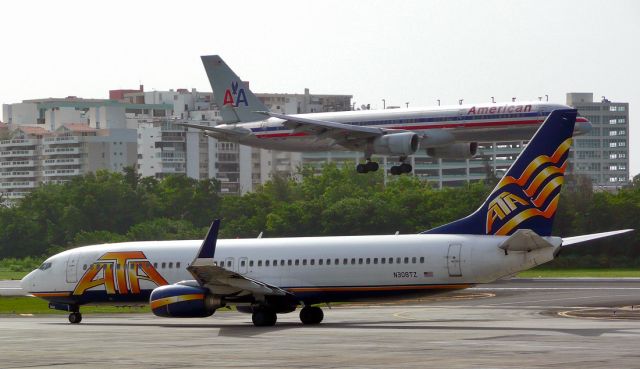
72 268
453 260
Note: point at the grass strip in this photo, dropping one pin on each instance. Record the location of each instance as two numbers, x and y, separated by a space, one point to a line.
34 305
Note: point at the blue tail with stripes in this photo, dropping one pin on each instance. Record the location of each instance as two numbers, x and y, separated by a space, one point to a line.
527 196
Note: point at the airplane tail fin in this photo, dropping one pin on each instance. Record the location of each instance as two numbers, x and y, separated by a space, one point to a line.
527 196
236 102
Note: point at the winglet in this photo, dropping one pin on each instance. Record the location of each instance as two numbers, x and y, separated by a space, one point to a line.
208 248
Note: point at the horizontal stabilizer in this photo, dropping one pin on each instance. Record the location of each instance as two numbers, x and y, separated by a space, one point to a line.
524 240
228 132
594 236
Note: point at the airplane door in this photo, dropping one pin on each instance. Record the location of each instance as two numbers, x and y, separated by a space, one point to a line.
242 265
230 265
453 260
72 267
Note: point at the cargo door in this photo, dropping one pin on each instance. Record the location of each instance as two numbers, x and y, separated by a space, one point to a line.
453 260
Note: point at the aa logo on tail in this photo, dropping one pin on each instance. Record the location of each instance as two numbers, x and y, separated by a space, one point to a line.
235 96
519 199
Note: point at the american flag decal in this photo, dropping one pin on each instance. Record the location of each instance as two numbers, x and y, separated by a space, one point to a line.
428 274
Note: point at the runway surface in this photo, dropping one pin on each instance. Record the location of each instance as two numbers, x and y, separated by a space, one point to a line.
515 324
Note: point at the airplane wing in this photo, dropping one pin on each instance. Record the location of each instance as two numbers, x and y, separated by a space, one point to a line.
342 133
567 241
227 132
222 281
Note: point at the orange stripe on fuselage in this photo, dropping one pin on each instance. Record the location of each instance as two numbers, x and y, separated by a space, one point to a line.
379 288
50 294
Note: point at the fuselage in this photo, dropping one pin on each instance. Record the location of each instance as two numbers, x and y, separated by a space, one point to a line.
318 269
440 126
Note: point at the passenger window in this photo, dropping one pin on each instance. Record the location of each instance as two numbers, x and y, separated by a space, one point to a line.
383 260
406 260
345 261
304 261
353 261
390 260
178 265
164 265
360 261
170 265
368 260
422 260
297 262
259 263
242 263
320 261
413 260
266 263
215 262
398 260
275 263
312 261
375 260
328 261
282 262
289 262
118 266
250 263
155 265
84 267
337 261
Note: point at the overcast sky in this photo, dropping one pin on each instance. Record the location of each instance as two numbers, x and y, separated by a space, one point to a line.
401 51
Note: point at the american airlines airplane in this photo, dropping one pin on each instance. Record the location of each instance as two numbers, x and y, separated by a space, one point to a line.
509 233
444 132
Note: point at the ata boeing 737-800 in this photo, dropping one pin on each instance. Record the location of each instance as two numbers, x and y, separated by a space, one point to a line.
510 232
444 132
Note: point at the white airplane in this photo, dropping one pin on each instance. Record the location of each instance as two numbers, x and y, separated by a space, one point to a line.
444 132
509 233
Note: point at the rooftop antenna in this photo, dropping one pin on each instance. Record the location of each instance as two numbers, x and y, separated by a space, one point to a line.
539 98
493 99
460 101
513 99
547 96
438 102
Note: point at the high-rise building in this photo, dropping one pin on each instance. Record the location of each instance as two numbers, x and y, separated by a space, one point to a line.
603 153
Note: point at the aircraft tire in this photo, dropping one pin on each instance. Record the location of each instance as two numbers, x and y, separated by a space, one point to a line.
264 318
406 168
372 166
361 168
75 318
395 170
310 315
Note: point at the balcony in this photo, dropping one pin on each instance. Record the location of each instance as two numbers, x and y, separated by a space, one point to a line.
14 195
20 184
17 153
61 151
61 172
60 140
18 174
18 142
17 164
66 161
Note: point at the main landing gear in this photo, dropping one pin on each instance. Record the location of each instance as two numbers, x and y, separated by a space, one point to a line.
264 318
369 166
75 317
400 169
311 315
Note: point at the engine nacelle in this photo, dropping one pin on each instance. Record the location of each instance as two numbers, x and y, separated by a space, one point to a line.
182 301
454 151
402 144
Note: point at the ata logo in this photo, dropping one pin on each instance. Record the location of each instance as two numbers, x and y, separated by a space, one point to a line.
235 96
119 272
501 207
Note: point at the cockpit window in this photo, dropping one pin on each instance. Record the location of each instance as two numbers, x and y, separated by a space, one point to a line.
45 266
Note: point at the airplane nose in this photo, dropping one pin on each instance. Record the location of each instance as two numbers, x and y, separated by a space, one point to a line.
583 127
28 283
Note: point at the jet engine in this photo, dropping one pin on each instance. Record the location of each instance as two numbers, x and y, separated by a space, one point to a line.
183 301
454 151
402 144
